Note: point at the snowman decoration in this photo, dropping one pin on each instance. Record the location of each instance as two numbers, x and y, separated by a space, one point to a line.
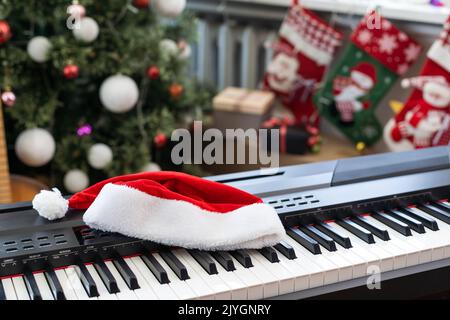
282 73
348 91
419 125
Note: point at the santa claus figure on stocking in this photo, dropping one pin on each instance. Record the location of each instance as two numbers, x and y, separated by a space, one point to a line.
348 91
424 120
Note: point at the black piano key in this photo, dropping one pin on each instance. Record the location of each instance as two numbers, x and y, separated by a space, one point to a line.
443 205
204 260
2 292
411 222
243 258
155 267
126 273
393 223
175 264
320 237
335 234
87 281
286 250
106 276
54 284
436 212
305 240
383 234
357 230
225 260
426 221
30 283
270 254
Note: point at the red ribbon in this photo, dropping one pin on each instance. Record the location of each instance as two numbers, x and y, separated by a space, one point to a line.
283 123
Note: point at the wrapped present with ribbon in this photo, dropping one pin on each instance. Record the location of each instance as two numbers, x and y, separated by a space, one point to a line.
294 138
237 108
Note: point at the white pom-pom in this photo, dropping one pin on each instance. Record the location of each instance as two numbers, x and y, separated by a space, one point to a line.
50 204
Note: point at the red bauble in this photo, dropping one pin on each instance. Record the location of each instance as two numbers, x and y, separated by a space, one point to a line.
71 71
141 4
176 90
160 140
153 72
5 32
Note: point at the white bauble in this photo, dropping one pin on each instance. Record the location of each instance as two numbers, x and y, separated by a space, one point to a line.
76 180
35 147
38 49
169 47
100 156
119 93
151 167
86 30
169 8
186 52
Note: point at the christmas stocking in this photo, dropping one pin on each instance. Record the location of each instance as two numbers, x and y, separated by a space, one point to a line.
304 50
424 120
377 54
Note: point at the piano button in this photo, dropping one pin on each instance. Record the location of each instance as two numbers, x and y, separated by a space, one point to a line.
2 292
334 234
8 287
378 231
414 224
124 292
106 276
75 283
286 250
220 288
204 260
54 284
436 212
162 290
324 240
31 285
43 286
255 288
175 264
270 254
224 259
416 214
284 279
356 230
179 287
126 273
195 281
20 288
242 257
68 291
393 223
154 266
310 244
103 293
86 280
144 292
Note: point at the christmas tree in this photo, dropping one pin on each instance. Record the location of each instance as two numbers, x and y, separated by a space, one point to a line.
93 89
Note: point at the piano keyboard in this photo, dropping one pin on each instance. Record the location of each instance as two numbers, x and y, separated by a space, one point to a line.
310 256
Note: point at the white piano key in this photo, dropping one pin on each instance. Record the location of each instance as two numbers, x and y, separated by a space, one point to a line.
75 282
125 292
20 288
359 265
181 289
254 286
238 288
301 275
43 286
145 292
162 291
344 266
221 290
284 276
9 289
102 291
69 293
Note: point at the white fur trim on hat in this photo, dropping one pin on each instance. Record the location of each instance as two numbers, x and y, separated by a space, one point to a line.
131 212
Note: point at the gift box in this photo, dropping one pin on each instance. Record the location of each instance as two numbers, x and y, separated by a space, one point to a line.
236 108
294 138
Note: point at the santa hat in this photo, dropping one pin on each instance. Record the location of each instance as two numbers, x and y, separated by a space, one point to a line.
367 69
171 208
420 81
